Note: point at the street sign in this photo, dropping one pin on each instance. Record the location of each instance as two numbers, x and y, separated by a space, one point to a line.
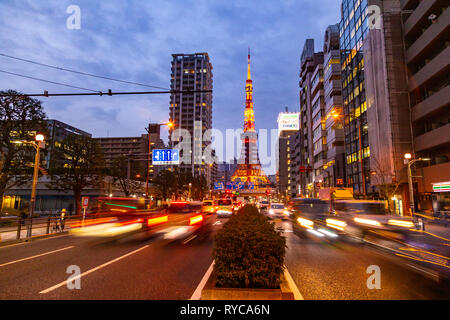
219 186
165 157
85 202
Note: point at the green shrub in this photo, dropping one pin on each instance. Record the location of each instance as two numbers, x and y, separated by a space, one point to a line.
248 252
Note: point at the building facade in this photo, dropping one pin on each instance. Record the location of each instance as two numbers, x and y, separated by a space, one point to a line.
426 28
311 105
191 110
353 30
288 125
333 173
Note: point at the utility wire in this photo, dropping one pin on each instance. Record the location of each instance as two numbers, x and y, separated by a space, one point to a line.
79 72
43 80
100 93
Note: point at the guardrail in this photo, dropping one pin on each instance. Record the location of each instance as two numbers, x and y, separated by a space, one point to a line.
441 218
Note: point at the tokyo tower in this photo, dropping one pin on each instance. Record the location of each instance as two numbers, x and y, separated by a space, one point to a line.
249 171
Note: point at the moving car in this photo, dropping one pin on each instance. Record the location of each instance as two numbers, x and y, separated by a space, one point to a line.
263 205
311 218
278 210
208 206
364 216
186 219
111 218
224 208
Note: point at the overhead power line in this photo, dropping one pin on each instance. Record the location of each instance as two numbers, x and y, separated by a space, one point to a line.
100 93
79 72
43 80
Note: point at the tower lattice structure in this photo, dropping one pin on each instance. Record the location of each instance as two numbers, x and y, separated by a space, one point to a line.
249 169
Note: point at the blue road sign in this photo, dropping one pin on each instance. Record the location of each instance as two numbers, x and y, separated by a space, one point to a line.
165 156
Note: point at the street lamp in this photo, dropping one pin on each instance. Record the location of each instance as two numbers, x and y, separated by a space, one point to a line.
168 124
190 185
409 162
40 139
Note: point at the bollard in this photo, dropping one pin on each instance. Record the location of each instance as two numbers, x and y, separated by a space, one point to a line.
19 227
48 225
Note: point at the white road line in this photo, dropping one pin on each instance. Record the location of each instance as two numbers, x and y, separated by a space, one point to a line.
36 256
292 285
92 270
198 292
190 239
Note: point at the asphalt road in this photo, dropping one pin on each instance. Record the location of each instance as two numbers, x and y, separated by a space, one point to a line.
131 268
151 268
339 271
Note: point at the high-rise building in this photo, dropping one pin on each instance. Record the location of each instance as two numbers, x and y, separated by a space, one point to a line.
353 30
333 173
191 109
311 110
427 52
288 125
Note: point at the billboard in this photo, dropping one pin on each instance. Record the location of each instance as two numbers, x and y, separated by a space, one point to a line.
165 156
288 121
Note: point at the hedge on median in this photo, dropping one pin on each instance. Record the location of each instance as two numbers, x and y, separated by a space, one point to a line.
248 252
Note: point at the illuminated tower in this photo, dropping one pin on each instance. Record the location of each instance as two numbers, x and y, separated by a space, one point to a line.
249 169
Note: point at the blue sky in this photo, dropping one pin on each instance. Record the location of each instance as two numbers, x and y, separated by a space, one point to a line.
134 40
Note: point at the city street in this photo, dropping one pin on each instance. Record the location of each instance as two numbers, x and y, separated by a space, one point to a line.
141 268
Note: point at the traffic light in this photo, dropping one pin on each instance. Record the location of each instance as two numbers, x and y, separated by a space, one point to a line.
267 192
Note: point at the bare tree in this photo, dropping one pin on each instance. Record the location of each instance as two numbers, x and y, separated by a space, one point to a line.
385 180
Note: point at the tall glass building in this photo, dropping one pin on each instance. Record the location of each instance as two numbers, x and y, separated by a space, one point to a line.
353 30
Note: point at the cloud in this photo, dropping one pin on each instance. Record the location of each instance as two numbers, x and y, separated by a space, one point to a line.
134 40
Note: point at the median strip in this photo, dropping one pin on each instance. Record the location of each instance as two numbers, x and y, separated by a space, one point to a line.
36 256
292 285
92 270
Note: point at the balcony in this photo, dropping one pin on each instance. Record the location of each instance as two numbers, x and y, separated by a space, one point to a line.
436 66
421 10
333 101
437 101
428 37
333 70
432 139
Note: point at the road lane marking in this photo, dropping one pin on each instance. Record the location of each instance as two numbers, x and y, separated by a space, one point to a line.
92 270
292 285
36 256
198 292
190 239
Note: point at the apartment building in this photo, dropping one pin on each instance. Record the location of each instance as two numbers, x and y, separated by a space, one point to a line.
333 173
426 27
311 105
191 109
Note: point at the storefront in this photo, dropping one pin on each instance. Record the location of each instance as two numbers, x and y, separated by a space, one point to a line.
441 197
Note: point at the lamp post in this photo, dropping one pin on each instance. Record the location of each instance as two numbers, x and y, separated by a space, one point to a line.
409 162
190 185
38 145
170 125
